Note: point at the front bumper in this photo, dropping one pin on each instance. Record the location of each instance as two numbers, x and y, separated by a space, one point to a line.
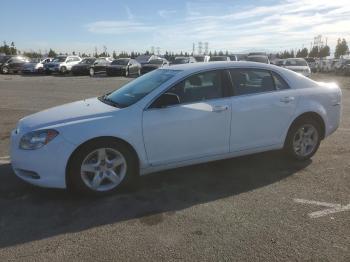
46 166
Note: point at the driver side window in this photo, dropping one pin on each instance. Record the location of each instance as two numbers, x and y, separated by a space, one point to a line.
200 87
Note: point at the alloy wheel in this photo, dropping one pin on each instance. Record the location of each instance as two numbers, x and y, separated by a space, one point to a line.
103 169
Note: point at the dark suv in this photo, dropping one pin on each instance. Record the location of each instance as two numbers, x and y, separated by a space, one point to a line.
13 64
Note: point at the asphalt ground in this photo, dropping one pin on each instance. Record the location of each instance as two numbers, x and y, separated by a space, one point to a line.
262 207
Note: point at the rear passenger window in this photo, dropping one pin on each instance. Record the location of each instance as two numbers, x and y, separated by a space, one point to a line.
250 81
279 82
204 86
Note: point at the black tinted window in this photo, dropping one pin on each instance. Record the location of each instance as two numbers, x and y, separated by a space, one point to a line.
204 86
250 81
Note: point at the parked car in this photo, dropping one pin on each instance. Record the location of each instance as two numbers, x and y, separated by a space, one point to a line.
83 67
298 65
257 54
100 66
184 60
278 62
342 67
219 58
35 65
144 59
124 67
202 58
233 57
172 117
154 64
61 64
258 58
13 64
312 64
4 59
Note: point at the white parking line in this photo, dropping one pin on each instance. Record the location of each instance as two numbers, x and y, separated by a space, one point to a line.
332 208
4 160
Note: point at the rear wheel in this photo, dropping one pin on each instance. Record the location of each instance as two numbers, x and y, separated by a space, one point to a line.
303 139
102 167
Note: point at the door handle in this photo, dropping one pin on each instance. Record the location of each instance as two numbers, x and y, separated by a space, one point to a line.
219 108
287 99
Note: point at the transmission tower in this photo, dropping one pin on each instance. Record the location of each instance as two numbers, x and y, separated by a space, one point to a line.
200 48
206 48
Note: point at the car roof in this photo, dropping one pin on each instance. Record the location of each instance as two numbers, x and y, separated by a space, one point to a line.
221 65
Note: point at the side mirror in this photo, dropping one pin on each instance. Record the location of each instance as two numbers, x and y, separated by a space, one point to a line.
166 99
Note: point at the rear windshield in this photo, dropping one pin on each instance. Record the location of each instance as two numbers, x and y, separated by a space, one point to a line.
296 62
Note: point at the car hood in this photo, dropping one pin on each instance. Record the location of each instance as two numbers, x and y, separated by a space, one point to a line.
78 111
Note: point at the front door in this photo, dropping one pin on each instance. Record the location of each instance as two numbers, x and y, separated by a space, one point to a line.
198 126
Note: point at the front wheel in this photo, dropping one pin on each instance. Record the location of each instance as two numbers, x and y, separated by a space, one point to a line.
102 167
303 139
5 70
63 70
91 72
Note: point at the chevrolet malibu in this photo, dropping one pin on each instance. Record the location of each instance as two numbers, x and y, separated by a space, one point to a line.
172 117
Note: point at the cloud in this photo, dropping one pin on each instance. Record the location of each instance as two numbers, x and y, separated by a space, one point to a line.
166 13
129 13
226 26
118 27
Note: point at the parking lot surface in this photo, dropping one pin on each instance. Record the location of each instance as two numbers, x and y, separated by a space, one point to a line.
260 207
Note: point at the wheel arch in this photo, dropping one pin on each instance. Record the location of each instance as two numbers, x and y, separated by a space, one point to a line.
310 115
101 138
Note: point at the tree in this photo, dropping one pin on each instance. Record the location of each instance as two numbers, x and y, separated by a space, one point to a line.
314 52
302 53
114 55
52 53
324 51
341 48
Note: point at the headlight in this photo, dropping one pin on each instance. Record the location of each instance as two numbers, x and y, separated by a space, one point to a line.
37 139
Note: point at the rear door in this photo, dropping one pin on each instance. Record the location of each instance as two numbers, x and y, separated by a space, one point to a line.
197 127
262 108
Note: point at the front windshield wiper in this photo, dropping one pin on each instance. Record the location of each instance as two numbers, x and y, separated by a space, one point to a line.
109 101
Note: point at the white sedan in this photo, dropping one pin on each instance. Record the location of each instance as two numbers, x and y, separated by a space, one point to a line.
172 117
298 65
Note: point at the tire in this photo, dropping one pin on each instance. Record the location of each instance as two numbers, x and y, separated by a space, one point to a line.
91 72
63 70
303 139
80 181
5 70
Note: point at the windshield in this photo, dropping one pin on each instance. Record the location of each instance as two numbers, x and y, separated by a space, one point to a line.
87 61
60 59
156 61
120 62
182 60
218 58
296 62
138 88
260 59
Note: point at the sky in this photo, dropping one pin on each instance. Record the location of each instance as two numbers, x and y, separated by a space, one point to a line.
236 25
